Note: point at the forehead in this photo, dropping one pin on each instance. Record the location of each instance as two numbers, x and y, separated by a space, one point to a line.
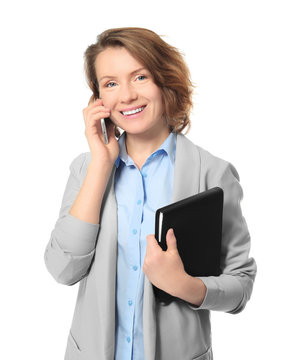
115 61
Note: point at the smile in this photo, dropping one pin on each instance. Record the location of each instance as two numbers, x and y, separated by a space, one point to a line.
135 111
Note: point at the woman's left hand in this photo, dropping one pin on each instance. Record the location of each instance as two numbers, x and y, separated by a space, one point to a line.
164 269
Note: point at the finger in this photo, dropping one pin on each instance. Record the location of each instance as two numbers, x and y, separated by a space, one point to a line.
94 104
151 241
150 237
97 102
93 118
171 240
100 114
97 109
90 110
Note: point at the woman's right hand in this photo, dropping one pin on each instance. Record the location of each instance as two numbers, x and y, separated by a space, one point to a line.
93 132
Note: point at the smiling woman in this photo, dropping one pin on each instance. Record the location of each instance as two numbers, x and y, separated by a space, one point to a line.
134 100
104 235
161 61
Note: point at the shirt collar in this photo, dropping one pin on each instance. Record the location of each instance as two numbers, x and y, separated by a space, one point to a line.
168 146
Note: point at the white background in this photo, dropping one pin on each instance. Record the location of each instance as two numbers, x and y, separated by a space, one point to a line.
244 59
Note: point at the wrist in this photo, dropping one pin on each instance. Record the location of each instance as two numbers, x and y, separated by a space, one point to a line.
191 289
100 164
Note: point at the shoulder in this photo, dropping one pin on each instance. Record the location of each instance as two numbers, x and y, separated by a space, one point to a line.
216 171
211 166
215 164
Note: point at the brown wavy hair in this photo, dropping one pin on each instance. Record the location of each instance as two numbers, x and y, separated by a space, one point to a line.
165 63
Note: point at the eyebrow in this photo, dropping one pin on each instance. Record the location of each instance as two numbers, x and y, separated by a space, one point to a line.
114 77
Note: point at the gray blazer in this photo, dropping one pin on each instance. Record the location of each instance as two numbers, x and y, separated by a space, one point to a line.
80 251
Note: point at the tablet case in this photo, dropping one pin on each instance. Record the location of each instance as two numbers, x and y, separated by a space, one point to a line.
197 225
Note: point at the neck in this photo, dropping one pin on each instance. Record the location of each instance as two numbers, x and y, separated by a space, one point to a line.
140 146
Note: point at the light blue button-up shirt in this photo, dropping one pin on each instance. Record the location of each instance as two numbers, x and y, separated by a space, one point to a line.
139 194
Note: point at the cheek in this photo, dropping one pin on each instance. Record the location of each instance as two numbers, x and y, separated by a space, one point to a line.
155 96
159 102
114 117
110 103
107 101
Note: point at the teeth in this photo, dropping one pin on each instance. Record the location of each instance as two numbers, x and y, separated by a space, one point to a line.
133 111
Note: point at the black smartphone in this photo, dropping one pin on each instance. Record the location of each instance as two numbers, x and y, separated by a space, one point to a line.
103 126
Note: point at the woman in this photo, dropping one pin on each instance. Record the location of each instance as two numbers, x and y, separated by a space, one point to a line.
104 234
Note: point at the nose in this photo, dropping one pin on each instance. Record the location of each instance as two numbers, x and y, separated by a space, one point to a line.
128 93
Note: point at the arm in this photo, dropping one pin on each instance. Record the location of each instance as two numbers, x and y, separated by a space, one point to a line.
192 290
231 290
71 247
87 204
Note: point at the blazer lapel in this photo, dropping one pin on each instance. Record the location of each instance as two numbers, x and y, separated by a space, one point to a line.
107 247
187 169
186 183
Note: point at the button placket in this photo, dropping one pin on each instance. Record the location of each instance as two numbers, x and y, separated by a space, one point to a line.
134 253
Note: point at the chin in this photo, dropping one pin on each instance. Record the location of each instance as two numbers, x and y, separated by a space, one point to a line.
134 129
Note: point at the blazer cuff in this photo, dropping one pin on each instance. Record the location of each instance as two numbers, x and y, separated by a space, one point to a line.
224 293
76 236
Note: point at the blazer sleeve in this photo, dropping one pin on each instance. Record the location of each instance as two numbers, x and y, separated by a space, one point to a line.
71 247
230 291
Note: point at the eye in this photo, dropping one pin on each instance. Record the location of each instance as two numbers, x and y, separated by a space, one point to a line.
141 77
110 84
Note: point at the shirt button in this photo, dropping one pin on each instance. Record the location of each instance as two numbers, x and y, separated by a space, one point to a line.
135 268
130 302
139 202
144 175
134 231
128 339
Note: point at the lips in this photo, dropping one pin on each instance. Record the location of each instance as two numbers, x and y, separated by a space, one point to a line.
132 111
133 108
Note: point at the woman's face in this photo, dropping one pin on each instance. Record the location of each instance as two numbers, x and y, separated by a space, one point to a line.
128 90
